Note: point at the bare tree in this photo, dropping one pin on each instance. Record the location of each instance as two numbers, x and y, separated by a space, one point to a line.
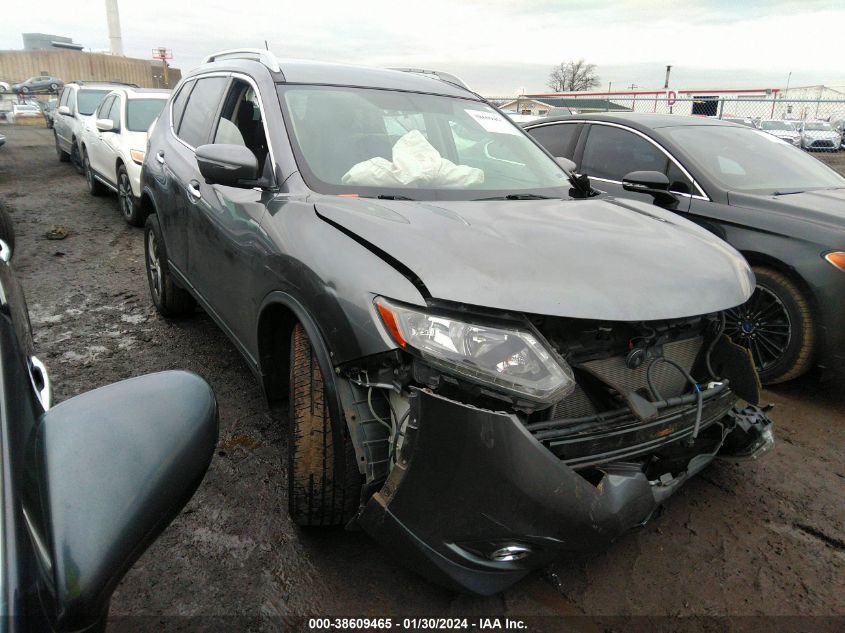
573 76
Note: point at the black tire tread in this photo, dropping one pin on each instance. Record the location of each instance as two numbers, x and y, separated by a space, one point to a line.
96 188
317 495
137 217
7 229
806 330
175 301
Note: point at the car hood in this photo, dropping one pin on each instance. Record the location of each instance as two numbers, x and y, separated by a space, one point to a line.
825 207
820 133
600 259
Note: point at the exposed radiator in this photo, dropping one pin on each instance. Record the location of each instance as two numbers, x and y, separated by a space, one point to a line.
667 379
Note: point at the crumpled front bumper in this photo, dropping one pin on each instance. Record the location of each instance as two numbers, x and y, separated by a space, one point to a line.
472 485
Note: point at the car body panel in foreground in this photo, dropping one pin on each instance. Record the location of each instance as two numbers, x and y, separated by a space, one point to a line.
475 502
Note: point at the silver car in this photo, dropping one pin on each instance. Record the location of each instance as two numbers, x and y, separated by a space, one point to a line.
39 83
819 135
782 129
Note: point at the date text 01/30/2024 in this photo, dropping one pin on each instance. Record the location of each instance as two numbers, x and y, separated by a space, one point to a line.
410 624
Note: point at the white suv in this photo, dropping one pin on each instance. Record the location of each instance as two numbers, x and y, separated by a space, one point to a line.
113 143
76 105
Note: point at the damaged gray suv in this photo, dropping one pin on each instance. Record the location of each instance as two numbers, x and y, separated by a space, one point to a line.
487 366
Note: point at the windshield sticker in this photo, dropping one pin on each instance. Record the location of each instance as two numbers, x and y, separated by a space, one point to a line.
493 122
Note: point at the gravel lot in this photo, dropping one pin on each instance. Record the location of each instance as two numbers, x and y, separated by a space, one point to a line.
750 539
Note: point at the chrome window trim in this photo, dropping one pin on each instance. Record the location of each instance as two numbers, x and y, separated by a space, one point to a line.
235 75
701 194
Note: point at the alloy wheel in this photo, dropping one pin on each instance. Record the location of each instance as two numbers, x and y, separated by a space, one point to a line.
762 325
154 265
124 193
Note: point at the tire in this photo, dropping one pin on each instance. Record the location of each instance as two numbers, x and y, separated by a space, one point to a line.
76 157
317 495
25 90
62 154
54 87
129 207
169 299
7 229
777 325
95 187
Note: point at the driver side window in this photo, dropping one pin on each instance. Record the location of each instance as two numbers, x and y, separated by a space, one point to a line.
240 121
103 109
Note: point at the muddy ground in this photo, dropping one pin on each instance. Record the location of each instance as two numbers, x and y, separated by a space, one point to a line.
757 538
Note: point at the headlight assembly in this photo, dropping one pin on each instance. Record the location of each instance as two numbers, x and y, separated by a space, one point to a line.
506 359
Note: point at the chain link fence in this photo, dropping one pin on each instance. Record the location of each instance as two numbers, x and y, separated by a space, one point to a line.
813 124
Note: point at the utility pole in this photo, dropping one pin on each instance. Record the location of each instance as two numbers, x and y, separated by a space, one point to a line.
668 70
788 77
609 84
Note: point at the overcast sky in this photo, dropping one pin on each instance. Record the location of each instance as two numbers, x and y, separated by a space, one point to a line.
496 46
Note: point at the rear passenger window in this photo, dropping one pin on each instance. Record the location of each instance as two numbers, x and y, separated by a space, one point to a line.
612 153
559 139
202 105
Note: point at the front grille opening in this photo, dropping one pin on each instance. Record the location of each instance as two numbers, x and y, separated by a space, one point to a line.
615 413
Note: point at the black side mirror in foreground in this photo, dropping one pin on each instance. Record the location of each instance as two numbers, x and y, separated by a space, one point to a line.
654 183
109 470
230 165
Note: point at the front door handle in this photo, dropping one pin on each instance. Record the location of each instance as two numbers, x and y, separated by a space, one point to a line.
160 157
194 189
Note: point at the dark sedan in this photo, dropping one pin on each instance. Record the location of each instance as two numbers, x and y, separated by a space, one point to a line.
39 83
89 484
782 209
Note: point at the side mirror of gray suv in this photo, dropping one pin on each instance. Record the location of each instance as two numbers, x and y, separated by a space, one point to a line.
230 165
64 110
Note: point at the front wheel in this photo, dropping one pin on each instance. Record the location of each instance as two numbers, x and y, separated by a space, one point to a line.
76 157
95 187
317 493
130 209
169 299
62 154
7 229
54 87
776 324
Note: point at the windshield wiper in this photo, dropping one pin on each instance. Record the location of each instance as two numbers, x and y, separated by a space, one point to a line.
786 193
518 196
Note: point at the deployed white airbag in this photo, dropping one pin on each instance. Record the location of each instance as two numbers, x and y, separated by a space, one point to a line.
416 163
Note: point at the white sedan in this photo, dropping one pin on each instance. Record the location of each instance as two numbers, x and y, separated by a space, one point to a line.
113 143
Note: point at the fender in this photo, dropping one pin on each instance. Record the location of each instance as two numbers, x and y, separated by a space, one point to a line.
324 360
